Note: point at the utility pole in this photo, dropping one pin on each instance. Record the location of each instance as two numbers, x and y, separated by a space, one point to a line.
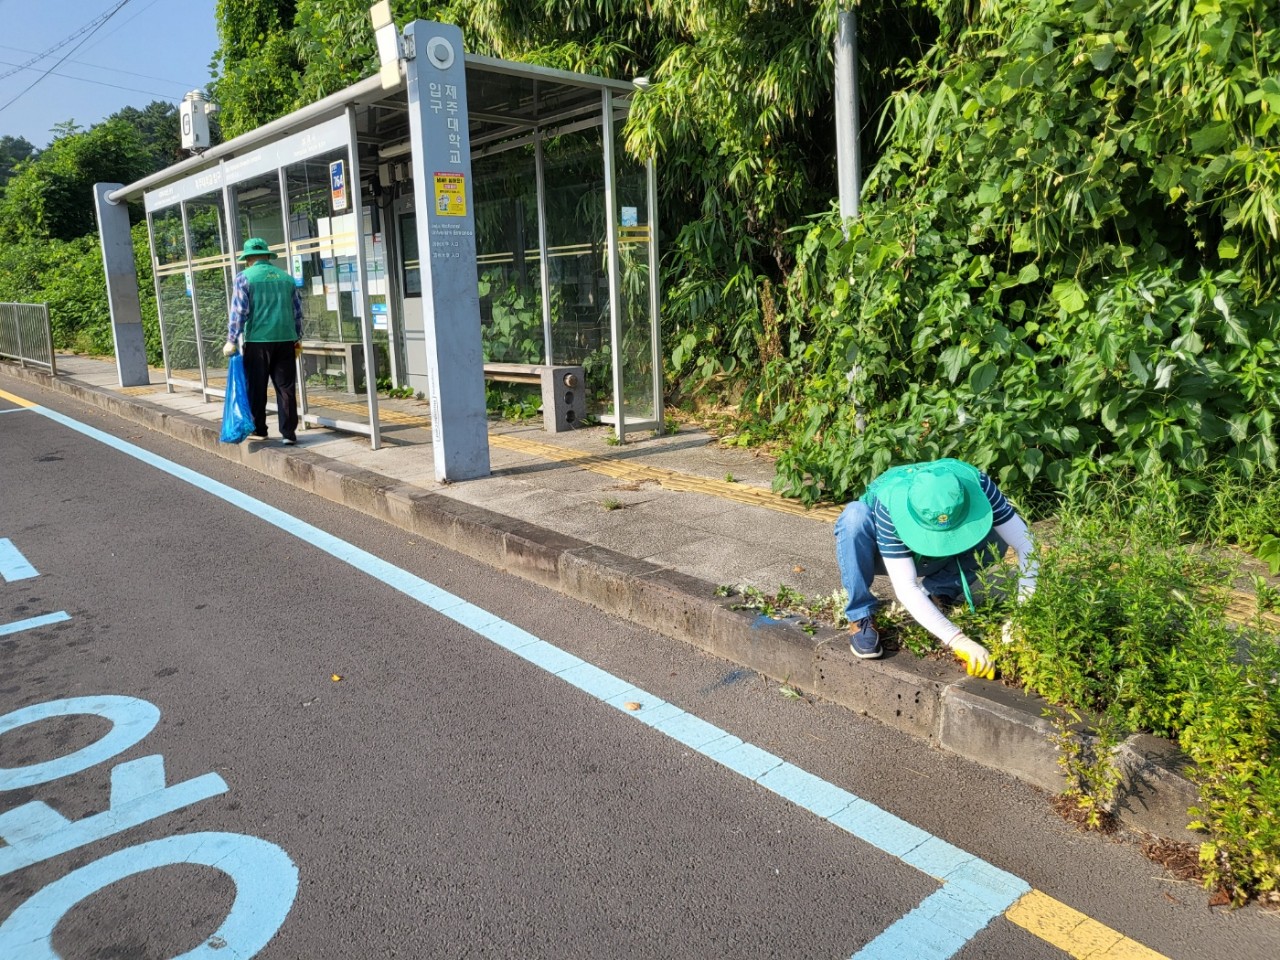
848 150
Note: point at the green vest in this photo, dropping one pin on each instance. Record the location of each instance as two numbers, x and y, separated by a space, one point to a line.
271 311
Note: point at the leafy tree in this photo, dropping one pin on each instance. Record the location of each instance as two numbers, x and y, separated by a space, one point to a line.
258 63
51 196
158 128
13 150
67 275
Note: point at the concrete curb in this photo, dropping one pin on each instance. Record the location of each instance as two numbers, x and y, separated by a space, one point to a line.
984 722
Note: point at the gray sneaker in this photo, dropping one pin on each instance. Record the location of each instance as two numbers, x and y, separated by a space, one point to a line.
864 639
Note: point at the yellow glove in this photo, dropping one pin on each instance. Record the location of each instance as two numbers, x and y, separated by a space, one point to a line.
230 348
977 661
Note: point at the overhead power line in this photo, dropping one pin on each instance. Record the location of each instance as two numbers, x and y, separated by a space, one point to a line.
104 83
91 25
98 66
87 32
120 25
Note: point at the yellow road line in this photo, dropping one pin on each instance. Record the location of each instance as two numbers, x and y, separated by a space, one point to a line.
1074 932
18 400
669 479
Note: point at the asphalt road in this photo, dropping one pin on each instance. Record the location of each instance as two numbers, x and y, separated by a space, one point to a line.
445 797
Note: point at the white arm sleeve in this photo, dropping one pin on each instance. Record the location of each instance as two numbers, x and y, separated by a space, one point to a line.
1014 532
902 574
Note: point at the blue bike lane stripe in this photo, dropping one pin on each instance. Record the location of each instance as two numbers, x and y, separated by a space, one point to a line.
973 892
17 626
13 565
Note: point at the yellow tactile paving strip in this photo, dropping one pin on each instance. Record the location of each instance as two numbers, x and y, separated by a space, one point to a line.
1069 930
669 479
385 414
1243 608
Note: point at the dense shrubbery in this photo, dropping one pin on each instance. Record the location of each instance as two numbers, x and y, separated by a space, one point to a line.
1067 258
50 197
1129 624
49 248
67 275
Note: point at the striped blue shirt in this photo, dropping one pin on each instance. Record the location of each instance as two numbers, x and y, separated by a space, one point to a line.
890 544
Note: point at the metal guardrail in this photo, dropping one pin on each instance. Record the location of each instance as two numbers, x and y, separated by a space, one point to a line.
25 335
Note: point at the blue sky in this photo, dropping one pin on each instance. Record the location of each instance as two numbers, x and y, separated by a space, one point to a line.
157 49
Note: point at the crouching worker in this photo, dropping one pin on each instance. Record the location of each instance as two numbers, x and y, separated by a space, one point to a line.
930 527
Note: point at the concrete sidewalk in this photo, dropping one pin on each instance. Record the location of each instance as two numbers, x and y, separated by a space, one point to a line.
648 531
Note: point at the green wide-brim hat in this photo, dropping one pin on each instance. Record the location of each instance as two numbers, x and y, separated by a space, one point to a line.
940 510
254 247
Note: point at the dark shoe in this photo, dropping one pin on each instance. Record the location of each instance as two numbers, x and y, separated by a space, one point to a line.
290 440
864 639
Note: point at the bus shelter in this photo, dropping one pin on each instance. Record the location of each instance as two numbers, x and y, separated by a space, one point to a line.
467 216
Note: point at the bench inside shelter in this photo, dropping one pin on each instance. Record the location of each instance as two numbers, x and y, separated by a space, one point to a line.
327 355
564 403
564 390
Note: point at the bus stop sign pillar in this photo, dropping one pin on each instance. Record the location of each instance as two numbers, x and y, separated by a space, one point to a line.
122 287
445 204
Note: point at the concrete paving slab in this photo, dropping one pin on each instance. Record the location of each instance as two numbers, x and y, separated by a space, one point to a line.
717 560
634 536
802 535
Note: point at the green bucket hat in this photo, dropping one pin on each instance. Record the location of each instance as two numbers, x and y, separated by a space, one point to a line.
255 247
939 509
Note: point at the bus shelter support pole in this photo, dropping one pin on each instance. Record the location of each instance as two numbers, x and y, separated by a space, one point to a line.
122 287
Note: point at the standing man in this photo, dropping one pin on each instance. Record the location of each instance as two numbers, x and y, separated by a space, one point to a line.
942 522
266 309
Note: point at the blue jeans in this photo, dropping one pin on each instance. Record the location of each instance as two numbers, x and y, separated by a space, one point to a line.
860 561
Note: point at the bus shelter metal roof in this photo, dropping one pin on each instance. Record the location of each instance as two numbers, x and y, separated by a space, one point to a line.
509 100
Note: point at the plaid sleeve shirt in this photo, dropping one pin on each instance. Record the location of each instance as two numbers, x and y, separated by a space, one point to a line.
242 305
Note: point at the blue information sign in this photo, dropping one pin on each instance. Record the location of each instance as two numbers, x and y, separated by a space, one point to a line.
338 184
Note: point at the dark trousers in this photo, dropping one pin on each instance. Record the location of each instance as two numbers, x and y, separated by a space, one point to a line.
276 361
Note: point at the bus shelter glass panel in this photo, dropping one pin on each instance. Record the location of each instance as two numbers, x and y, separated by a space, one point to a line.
211 265
577 248
324 234
508 257
258 212
375 260
633 231
173 293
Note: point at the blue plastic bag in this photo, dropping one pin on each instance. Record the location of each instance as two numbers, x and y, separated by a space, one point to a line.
237 417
